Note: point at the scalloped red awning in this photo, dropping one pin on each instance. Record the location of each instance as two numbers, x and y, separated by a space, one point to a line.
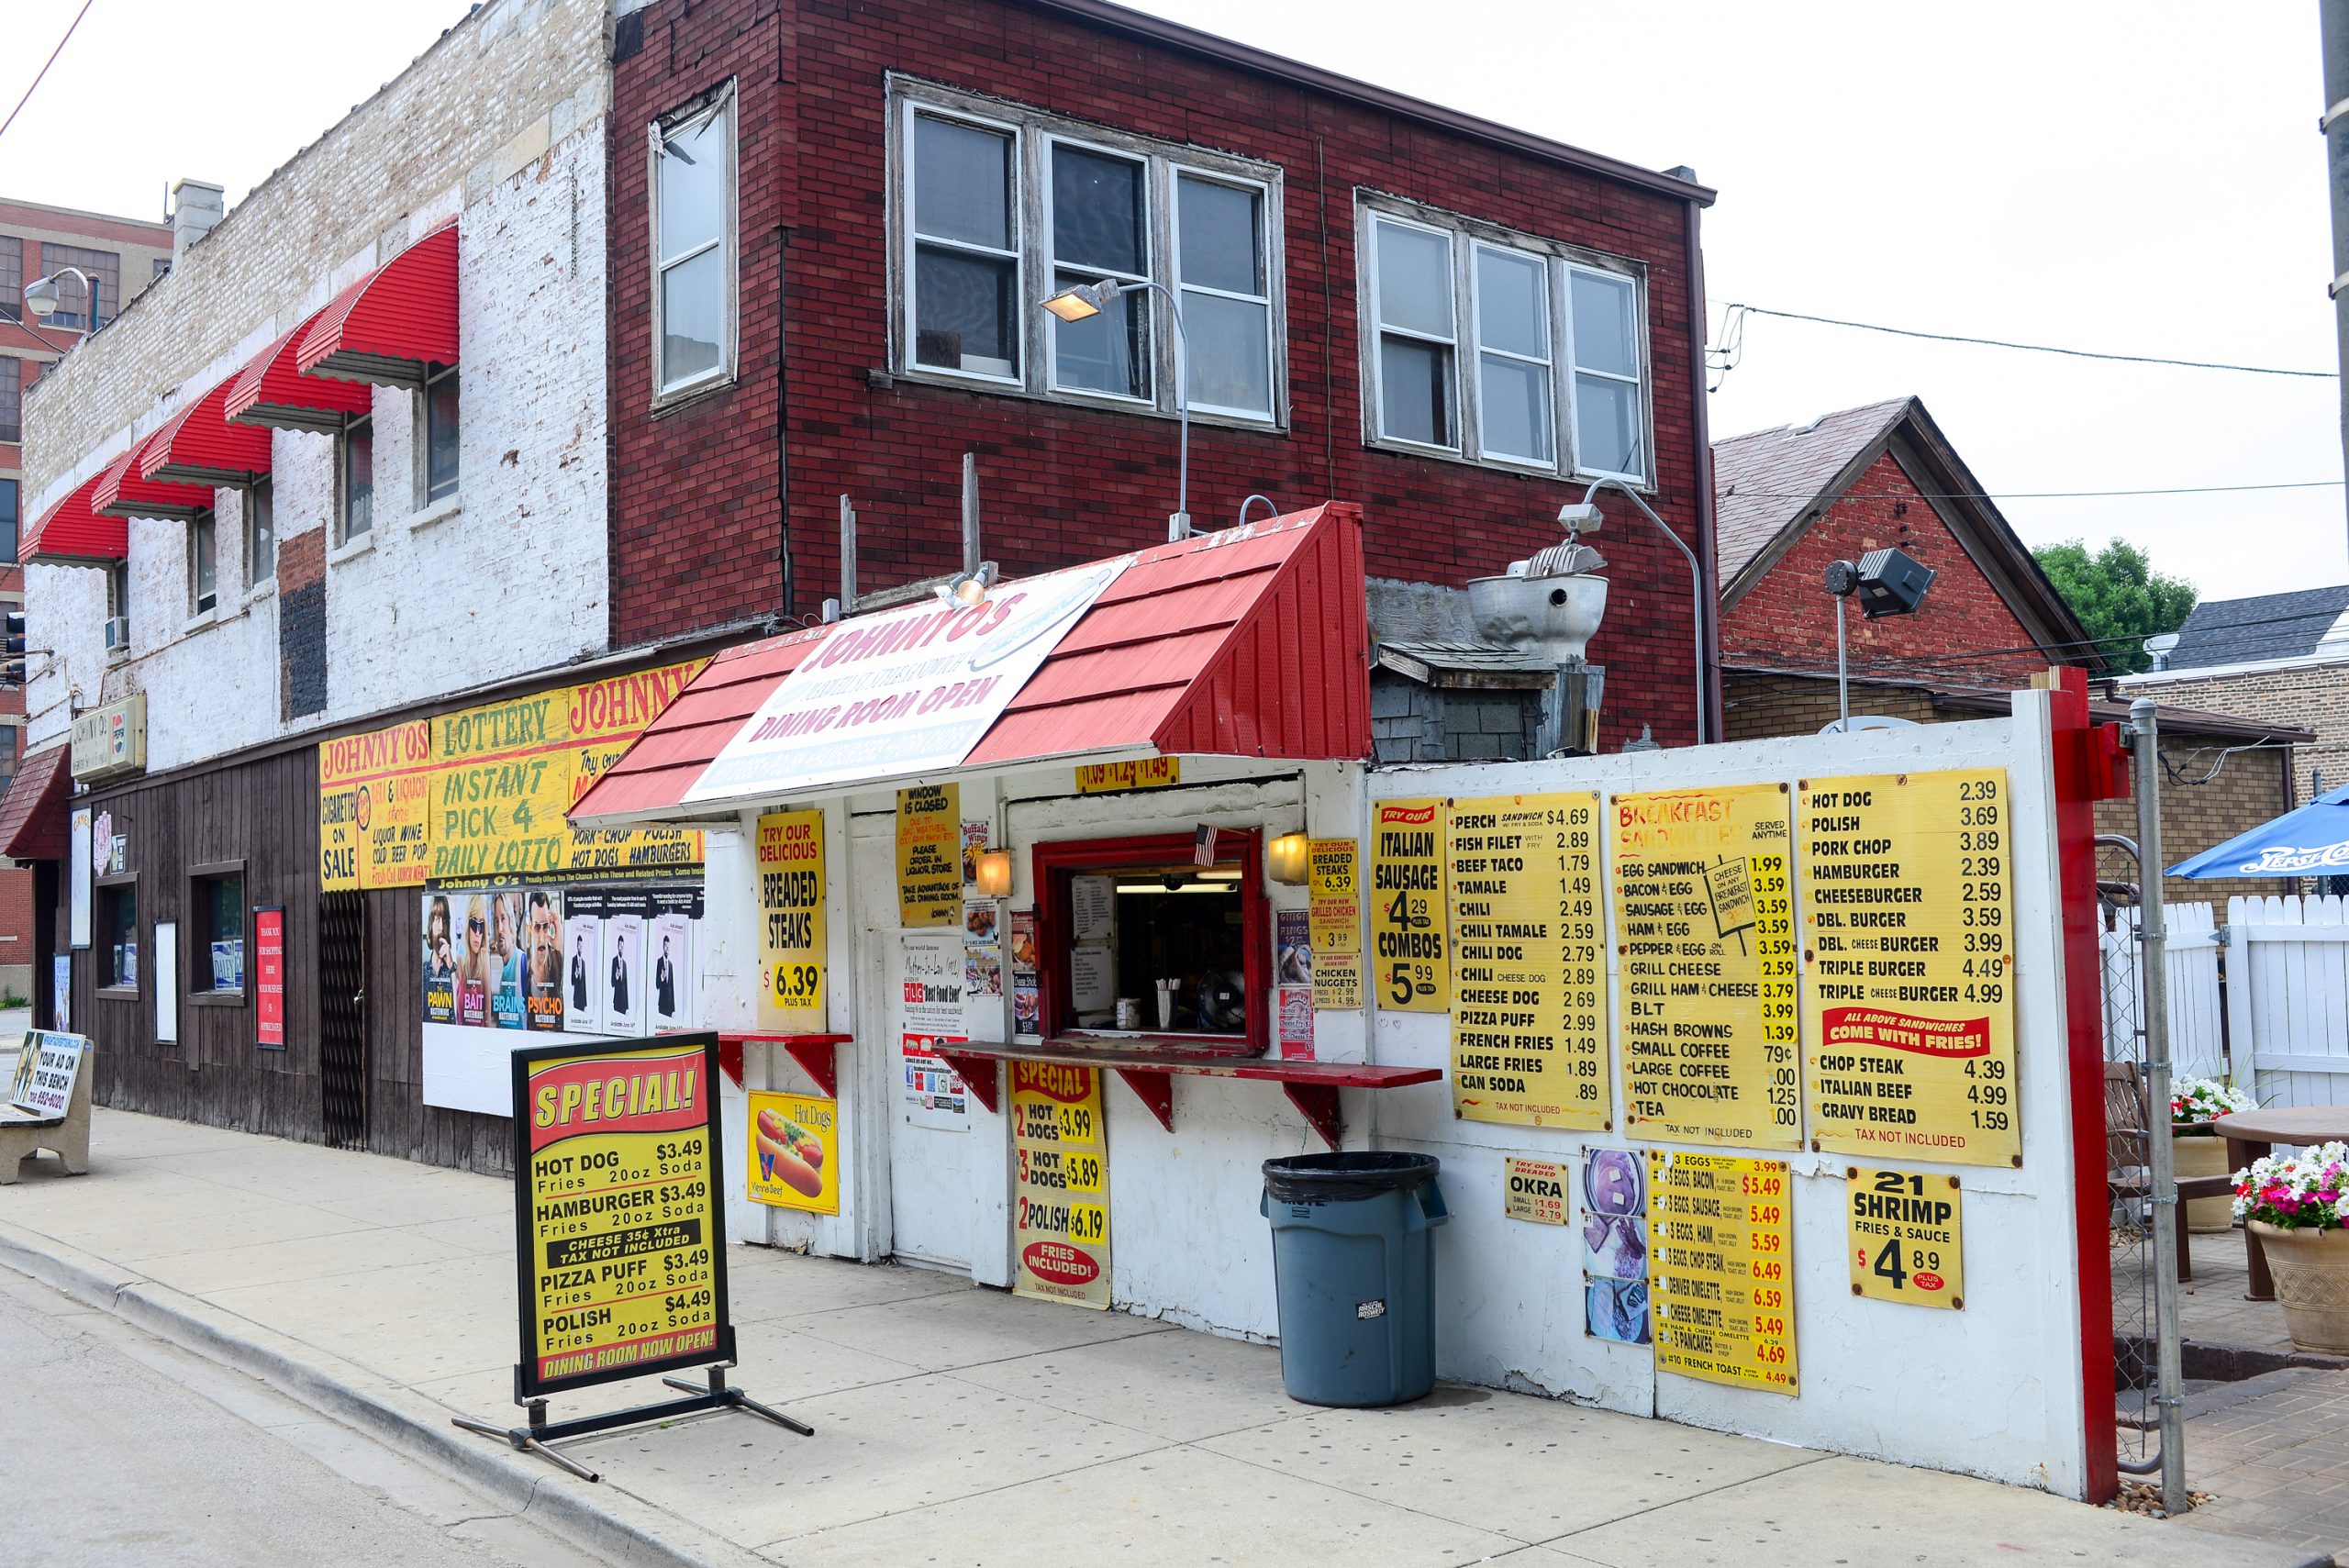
271 392
1251 642
33 824
71 531
198 446
395 324
121 492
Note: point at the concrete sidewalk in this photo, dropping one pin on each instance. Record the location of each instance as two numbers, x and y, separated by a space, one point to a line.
954 1425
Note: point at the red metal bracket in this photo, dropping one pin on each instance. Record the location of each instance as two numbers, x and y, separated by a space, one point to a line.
814 1053
1156 1090
730 1057
2108 763
978 1074
1318 1104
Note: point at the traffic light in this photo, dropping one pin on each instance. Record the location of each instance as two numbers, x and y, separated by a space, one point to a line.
12 650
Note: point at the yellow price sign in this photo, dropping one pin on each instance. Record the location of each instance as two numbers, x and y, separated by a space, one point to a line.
1903 1237
794 1151
791 894
1061 1241
1410 948
1721 1268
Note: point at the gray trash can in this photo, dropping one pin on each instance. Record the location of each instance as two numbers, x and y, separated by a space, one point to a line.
1354 1269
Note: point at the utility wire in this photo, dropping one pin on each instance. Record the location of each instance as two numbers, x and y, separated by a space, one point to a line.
1734 490
45 65
2093 643
1732 334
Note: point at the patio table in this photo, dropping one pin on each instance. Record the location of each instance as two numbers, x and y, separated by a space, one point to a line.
2250 1135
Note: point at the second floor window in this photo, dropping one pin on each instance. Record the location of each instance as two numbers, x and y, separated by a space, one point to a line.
358 479
10 521
261 534
12 371
441 435
11 278
997 207
692 243
1502 349
204 561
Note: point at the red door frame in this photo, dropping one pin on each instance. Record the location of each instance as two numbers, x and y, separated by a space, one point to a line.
1055 865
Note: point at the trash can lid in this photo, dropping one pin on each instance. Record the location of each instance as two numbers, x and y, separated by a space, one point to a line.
1347 1177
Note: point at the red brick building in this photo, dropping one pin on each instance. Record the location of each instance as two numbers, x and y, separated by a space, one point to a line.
831 236
124 256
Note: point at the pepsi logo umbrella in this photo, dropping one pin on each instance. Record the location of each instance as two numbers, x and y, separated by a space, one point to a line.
2310 841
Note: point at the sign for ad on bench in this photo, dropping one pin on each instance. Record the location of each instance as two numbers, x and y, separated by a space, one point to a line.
620 1216
1060 1220
1909 1015
47 1067
1704 925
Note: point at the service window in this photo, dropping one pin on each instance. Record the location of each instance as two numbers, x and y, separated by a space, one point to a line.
1137 939
216 957
117 934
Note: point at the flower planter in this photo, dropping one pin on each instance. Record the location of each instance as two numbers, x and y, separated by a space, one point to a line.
2312 1270
2202 1155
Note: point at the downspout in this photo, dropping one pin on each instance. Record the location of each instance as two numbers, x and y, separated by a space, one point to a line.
1710 676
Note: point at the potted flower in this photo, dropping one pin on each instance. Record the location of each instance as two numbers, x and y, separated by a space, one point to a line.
2194 1105
2298 1208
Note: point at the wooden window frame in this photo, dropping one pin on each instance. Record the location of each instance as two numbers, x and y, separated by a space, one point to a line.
213 871
102 954
1056 864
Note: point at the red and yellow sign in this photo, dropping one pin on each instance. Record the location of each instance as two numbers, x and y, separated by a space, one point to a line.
791 904
1721 1268
1705 988
794 1151
1409 947
1904 1237
619 1211
929 856
1060 1218
1333 922
1908 965
1142 773
374 790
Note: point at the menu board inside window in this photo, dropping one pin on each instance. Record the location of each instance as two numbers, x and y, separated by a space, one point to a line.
1908 901
1706 972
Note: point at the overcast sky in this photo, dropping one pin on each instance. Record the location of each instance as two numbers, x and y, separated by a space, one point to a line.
2144 179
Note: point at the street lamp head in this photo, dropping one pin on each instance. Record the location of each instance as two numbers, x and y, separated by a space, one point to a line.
1080 302
968 589
40 296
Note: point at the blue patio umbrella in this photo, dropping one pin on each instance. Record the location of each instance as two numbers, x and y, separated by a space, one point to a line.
2310 841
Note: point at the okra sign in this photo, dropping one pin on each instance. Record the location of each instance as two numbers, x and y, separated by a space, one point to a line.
620 1225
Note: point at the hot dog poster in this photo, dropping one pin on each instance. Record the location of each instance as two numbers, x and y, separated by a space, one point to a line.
794 1151
1059 1207
618 1210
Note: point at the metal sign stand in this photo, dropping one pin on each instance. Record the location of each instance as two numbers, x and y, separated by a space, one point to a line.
534 1438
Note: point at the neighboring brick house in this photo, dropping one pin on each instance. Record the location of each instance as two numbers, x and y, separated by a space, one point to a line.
1791 500
1452 323
124 255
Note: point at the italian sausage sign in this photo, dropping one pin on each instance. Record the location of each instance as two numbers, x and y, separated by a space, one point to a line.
619 1222
907 691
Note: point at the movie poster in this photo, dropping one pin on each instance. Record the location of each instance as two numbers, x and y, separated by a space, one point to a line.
583 998
672 957
625 975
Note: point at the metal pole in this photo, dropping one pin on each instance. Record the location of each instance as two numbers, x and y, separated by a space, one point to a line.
970 511
1179 525
2332 21
848 556
1842 679
2153 963
1696 582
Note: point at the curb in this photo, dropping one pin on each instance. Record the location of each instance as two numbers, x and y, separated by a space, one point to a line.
635 1532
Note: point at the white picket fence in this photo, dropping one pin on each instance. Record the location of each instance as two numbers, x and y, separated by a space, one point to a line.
2285 999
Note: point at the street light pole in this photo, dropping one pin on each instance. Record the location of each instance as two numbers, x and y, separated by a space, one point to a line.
41 295
1084 301
1696 582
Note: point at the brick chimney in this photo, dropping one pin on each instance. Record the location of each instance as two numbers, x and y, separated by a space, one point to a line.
196 207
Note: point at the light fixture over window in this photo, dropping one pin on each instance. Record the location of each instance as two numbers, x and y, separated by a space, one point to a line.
994 873
1285 859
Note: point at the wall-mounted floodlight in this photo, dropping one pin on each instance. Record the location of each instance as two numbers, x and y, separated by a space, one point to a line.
1886 582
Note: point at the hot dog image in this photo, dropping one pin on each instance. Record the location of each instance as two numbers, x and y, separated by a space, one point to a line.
790 1154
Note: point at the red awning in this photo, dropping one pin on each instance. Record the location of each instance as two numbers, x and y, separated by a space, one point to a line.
271 392
198 446
1251 642
32 814
71 531
394 324
121 492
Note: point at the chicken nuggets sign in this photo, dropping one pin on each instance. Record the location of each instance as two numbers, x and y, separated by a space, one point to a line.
619 1216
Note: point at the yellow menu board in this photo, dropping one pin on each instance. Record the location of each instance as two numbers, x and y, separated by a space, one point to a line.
1060 1213
1904 1238
1705 986
375 791
504 775
1529 1016
618 1210
929 856
1143 772
1907 903
1333 922
794 1151
1411 966
791 907
1721 1268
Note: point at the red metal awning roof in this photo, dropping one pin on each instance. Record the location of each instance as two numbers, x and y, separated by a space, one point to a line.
271 391
198 446
32 814
121 492
394 324
71 531
1253 643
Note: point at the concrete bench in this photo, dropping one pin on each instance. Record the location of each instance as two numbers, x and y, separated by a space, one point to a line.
67 1137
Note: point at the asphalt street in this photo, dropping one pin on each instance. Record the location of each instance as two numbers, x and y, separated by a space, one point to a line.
120 1448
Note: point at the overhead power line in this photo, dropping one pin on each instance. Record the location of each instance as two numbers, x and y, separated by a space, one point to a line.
44 67
1733 341
2032 495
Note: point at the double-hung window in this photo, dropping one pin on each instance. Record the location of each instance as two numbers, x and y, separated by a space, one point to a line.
692 243
997 207
358 479
1501 347
440 443
261 533
204 561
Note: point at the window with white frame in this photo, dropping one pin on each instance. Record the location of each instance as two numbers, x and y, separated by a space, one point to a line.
998 206
1501 347
261 533
693 245
357 480
439 448
204 561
